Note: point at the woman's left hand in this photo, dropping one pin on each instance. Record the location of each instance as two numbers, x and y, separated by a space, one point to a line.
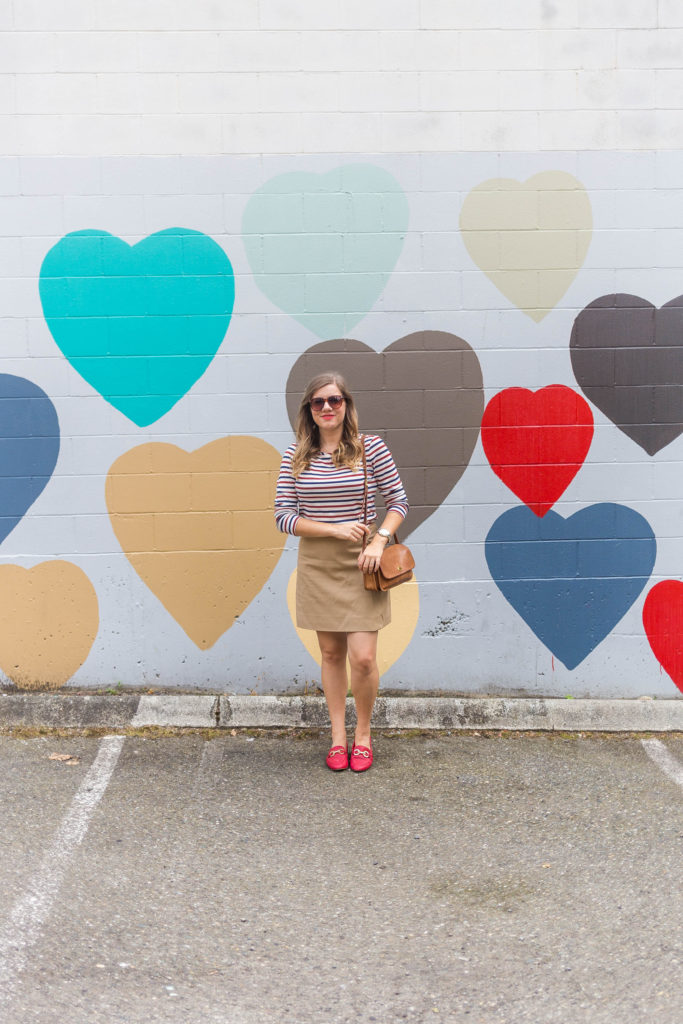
368 560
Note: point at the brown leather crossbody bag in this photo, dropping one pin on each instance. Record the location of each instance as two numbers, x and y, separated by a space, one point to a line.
396 563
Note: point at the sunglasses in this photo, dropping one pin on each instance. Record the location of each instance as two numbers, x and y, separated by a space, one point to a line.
334 402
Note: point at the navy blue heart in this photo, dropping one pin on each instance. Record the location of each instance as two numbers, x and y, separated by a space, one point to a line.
571 579
29 446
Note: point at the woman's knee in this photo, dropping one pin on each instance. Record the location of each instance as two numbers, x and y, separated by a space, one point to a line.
364 663
333 654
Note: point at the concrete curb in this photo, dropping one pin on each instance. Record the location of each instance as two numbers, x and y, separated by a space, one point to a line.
66 711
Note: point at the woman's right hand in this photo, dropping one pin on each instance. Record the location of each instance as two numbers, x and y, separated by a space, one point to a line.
350 531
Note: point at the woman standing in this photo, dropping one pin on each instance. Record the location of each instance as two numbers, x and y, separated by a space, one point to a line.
320 499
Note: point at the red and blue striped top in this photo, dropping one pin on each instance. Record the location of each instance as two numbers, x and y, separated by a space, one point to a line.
332 494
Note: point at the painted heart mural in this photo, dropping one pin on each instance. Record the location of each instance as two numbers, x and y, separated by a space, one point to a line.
530 237
663 622
140 323
571 580
50 618
29 446
627 357
536 442
198 527
323 246
423 394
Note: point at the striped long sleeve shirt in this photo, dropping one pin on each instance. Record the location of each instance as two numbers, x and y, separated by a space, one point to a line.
330 494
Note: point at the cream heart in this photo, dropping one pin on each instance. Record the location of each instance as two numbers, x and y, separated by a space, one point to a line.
198 527
529 238
392 640
50 619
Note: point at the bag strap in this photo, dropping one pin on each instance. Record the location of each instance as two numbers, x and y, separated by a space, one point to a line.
365 490
365 494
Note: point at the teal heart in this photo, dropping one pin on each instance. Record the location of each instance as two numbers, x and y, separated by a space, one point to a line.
323 246
140 323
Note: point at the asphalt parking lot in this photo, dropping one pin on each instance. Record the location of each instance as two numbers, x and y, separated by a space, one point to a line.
235 880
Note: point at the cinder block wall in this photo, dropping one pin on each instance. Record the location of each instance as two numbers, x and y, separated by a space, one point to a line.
474 210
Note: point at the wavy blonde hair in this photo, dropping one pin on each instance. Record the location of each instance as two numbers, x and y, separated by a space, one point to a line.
350 450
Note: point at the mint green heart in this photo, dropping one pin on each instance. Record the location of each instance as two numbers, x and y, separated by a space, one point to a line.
323 246
140 323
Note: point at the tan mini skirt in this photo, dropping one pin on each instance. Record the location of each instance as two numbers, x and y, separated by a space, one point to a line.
330 594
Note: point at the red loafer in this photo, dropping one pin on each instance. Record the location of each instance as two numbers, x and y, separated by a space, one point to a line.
337 759
361 758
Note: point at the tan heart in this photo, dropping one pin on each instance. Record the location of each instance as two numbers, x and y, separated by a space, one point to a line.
392 640
198 527
530 237
50 619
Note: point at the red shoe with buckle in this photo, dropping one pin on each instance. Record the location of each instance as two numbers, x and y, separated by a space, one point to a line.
361 758
337 759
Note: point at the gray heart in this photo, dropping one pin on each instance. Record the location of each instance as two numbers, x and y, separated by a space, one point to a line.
423 395
627 357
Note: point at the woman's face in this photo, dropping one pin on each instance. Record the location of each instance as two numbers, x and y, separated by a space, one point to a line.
328 418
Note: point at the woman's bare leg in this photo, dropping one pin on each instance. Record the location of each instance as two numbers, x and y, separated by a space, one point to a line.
335 682
362 649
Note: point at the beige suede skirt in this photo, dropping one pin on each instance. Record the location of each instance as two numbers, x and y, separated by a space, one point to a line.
330 595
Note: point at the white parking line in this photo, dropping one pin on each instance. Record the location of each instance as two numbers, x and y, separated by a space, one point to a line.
23 927
656 750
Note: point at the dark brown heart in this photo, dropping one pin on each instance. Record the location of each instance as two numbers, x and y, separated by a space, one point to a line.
627 357
423 395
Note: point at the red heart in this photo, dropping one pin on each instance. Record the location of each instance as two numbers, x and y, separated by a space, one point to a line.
536 442
663 621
